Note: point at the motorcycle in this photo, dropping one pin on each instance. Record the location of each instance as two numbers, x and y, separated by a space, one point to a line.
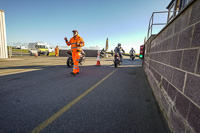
70 62
117 59
132 56
103 55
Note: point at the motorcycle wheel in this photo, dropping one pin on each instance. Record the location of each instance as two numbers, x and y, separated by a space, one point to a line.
70 62
116 63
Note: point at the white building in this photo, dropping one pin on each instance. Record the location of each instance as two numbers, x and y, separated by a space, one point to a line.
3 40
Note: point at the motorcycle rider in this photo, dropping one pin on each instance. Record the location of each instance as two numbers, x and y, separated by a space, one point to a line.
132 52
112 52
118 50
102 53
56 51
76 43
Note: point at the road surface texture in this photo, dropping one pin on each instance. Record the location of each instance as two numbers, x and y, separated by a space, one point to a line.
38 94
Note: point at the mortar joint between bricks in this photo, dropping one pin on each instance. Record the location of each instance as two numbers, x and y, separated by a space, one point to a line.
182 59
184 84
175 50
195 70
188 111
193 28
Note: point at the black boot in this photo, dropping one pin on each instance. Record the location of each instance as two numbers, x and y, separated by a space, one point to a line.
72 73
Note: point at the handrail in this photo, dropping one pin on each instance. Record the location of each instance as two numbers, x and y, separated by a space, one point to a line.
151 21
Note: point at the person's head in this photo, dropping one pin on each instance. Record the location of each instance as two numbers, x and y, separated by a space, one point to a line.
131 48
57 46
75 32
119 45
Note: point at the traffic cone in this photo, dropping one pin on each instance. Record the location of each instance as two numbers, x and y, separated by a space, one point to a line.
98 60
36 55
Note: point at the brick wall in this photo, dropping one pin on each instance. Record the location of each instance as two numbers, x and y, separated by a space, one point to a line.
172 65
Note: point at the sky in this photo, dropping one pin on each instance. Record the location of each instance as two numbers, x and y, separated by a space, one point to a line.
121 21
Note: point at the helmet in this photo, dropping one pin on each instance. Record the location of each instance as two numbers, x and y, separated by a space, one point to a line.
119 44
75 31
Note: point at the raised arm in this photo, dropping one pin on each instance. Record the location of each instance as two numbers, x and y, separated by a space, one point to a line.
123 51
68 43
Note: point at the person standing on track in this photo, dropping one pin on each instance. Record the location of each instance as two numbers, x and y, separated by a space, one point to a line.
76 43
56 51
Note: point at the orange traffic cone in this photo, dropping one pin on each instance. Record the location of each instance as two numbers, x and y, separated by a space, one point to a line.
36 55
98 60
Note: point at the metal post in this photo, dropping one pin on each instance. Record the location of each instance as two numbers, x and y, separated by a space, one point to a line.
10 52
175 5
168 16
148 29
152 23
149 26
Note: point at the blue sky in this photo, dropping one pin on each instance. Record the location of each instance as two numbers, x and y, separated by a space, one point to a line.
121 21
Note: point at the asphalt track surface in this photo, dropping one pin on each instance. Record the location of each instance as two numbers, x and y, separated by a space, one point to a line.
98 100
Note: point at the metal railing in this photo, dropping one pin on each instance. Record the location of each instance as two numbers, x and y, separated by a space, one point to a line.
151 21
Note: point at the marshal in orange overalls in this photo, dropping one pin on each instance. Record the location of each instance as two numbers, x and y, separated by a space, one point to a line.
76 43
56 51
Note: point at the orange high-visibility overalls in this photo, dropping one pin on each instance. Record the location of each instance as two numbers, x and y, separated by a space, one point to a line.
56 51
76 50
